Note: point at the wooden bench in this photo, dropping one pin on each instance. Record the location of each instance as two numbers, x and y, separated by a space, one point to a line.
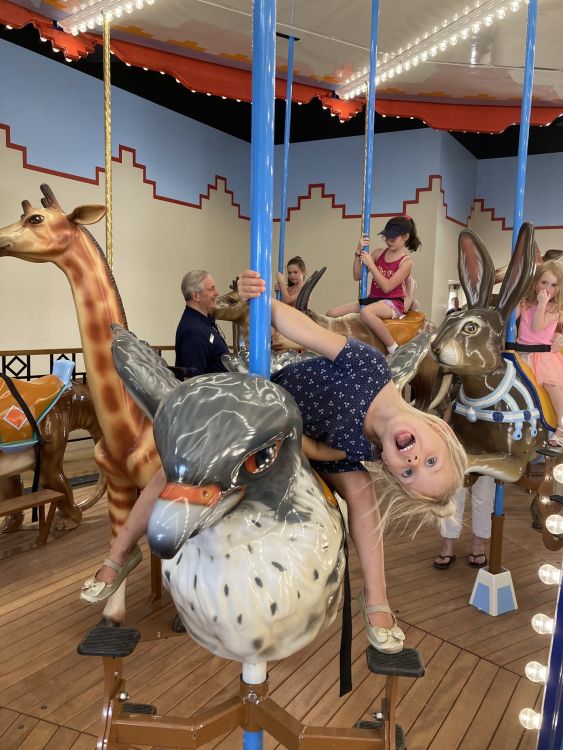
37 499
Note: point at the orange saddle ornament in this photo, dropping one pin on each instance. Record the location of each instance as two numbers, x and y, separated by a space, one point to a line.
39 395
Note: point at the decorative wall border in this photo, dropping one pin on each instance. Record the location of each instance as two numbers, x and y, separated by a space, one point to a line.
220 178
119 160
342 206
502 219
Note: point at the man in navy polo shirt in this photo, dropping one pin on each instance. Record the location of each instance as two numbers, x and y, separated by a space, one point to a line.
199 345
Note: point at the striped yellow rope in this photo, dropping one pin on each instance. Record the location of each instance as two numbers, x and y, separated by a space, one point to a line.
107 134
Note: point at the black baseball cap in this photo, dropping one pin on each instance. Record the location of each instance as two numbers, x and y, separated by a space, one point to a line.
397 226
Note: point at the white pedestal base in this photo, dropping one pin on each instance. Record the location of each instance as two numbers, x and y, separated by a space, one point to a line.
493 593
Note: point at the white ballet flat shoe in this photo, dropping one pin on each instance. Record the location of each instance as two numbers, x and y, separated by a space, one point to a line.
386 640
96 591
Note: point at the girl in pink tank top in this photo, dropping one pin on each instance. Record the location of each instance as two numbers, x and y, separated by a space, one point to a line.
390 268
539 315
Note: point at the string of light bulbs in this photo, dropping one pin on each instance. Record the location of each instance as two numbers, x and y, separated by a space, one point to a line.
88 15
468 22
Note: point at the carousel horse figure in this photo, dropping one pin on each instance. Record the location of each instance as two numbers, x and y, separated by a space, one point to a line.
58 407
252 539
126 454
497 413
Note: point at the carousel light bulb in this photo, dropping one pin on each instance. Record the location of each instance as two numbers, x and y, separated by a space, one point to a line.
377 80
99 20
129 8
73 31
364 87
464 33
391 73
554 524
398 71
435 30
433 51
536 672
443 46
109 16
453 40
150 2
91 23
424 56
139 4
501 13
514 6
543 624
384 77
466 10
118 12
488 20
549 574
415 60
476 28
407 65
529 718
558 472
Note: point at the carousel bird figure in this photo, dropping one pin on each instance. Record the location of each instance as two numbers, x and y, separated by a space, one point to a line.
252 542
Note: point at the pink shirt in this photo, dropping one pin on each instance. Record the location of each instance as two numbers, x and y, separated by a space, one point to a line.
387 269
525 333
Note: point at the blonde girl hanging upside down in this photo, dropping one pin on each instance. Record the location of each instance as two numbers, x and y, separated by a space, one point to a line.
352 412
539 315
390 268
296 273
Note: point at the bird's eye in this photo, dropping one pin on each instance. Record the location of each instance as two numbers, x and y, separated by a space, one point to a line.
262 459
36 219
470 327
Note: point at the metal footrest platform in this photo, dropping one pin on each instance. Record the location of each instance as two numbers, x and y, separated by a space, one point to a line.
556 499
116 642
407 663
378 724
549 452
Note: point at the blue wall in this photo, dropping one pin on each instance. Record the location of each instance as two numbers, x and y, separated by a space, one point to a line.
544 188
57 114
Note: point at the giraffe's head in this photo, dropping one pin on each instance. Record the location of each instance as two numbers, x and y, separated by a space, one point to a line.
43 233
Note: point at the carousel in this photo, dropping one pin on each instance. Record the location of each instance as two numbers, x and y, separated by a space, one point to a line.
242 624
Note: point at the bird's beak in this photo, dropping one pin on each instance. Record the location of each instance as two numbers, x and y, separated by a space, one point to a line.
183 510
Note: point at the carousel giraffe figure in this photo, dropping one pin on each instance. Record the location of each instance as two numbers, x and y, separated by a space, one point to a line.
126 454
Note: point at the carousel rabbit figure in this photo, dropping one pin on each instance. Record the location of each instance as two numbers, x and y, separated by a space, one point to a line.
495 413
252 542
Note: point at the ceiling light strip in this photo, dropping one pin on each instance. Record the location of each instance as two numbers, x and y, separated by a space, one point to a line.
86 16
467 23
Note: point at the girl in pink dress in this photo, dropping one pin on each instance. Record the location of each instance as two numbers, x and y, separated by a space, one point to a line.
390 268
539 316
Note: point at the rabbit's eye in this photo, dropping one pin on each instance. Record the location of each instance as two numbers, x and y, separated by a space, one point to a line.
470 327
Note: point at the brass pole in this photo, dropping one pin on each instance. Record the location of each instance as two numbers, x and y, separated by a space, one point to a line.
107 134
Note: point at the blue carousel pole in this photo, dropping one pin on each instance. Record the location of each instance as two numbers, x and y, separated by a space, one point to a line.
493 591
261 214
368 151
262 177
286 133
551 730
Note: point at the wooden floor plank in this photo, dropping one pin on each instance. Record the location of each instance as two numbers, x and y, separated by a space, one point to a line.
469 699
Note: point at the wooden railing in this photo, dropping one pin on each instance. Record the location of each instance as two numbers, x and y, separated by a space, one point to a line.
28 364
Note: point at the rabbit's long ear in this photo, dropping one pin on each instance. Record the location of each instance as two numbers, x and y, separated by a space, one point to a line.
519 273
476 269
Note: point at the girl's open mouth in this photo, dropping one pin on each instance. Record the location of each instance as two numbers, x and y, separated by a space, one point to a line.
404 440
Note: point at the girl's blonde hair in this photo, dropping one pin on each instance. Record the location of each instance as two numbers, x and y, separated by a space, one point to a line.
556 268
406 505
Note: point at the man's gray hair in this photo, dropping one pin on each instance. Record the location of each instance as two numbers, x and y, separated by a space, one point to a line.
192 283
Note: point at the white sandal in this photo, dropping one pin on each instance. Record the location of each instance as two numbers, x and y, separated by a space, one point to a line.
93 591
387 640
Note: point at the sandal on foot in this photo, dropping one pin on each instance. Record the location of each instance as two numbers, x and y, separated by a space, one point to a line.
448 560
96 591
386 640
477 561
